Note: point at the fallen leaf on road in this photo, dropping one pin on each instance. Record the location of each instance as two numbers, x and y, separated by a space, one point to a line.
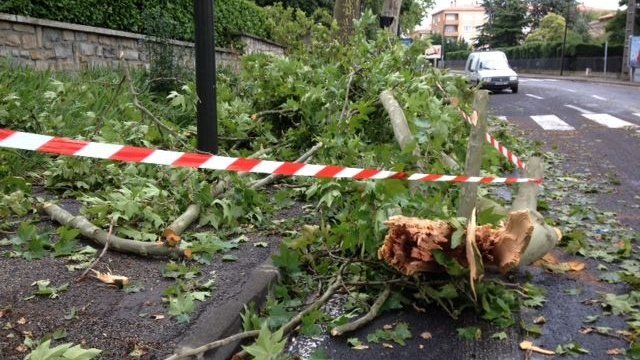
388 326
22 321
528 345
550 263
539 320
22 348
426 335
387 345
615 351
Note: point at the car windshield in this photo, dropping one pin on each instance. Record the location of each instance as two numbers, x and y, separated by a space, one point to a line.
494 64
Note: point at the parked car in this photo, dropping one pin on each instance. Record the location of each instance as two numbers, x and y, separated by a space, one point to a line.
490 70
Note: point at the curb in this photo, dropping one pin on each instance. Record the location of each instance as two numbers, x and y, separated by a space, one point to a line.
223 321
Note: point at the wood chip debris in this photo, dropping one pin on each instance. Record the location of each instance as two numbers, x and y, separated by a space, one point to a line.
426 335
387 345
528 346
539 320
110 279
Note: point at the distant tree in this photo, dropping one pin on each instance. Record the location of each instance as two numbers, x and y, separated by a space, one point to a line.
538 9
504 27
551 29
449 44
616 27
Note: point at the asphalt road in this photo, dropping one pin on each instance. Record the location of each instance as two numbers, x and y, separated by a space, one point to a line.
595 125
597 128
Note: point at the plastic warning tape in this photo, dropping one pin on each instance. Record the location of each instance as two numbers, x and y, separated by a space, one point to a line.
64 146
496 144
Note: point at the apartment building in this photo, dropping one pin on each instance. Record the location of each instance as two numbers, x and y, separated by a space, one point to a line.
458 22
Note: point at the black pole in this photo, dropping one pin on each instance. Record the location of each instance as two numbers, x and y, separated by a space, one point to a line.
206 76
564 40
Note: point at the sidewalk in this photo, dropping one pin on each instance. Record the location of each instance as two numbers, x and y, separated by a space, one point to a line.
591 79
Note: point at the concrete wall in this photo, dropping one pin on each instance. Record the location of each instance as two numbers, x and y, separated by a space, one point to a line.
46 44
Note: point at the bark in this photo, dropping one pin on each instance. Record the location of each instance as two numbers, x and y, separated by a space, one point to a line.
411 242
345 12
101 237
392 8
473 160
544 237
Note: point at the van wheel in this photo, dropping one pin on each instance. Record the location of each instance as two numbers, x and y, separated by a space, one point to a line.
514 89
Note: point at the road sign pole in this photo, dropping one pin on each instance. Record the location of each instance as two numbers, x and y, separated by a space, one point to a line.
206 76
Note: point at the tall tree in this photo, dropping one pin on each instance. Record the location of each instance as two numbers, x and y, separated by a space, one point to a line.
616 27
538 9
345 12
392 8
505 23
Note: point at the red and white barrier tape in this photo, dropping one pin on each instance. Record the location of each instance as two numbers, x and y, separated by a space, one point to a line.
63 146
473 119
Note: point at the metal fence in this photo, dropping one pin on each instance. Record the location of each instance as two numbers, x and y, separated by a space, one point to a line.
577 64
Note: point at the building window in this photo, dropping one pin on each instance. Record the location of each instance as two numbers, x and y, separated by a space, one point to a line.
450 29
469 28
451 17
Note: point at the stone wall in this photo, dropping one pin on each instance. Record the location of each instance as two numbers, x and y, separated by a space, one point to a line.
253 44
46 44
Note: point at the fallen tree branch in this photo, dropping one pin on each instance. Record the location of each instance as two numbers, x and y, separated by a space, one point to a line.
179 225
99 236
260 114
286 328
100 116
371 314
104 251
271 178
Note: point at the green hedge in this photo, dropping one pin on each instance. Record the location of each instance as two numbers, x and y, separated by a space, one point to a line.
457 55
232 16
554 49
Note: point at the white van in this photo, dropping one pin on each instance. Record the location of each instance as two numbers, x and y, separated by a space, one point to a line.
490 70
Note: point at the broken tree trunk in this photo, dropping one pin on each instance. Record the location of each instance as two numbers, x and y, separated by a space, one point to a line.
411 242
92 232
473 160
544 237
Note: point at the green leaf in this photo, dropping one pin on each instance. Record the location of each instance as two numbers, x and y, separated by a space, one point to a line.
470 333
268 345
500 336
287 259
181 307
61 352
572 349
229 257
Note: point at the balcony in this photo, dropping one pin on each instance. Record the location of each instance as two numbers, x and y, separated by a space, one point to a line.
451 22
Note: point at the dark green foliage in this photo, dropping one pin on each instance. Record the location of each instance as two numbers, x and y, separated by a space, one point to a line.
232 16
308 6
507 18
616 28
538 50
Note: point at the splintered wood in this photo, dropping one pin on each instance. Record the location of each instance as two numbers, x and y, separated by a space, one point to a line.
411 242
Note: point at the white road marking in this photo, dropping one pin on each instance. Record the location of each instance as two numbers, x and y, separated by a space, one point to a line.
551 122
584 111
609 121
571 90
636 114
598 97
535 96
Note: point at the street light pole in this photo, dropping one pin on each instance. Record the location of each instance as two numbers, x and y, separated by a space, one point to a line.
206 76
564 39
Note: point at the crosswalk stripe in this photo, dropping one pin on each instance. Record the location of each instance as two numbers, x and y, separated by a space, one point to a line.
551 122
535 96
598 97
609 121
636 114
584 111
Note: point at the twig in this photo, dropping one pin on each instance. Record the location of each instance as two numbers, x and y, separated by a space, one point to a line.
100 117
304 157
373 312
346 95
286 328
260 114
138 104
104 251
